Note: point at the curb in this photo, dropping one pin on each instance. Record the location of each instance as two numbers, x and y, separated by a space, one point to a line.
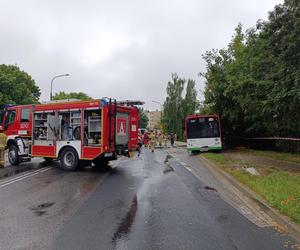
292 228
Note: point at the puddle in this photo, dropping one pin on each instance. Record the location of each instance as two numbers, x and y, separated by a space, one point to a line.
168 157
168 169
121 235
39 210
40 213
210 188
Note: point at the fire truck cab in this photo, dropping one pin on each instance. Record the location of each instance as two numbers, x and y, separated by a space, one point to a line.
15 121
75 132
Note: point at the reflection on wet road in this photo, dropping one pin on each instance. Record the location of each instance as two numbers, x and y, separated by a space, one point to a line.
153 202
123 230
36 203
149 202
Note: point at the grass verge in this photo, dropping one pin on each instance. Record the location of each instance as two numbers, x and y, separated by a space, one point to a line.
276 155
280 188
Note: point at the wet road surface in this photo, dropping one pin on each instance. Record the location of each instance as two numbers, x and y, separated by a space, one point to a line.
36 203
150 202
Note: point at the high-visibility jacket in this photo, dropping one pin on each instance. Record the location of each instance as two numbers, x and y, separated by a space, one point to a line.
3 139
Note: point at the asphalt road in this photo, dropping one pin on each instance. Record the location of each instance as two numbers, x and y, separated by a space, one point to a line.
150 202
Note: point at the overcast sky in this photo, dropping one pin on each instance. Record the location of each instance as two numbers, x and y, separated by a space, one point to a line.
125 49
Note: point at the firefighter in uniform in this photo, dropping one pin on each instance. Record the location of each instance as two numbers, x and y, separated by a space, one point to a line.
165 139
3 139
160 140
152 141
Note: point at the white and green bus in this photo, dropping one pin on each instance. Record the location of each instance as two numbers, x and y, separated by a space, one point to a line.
203 133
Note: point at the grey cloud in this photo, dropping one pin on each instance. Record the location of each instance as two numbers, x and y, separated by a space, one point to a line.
123 49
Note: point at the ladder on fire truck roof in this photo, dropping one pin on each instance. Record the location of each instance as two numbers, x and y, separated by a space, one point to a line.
130 102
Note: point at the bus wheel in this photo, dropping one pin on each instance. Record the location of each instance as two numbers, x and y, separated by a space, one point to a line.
13 156
69 159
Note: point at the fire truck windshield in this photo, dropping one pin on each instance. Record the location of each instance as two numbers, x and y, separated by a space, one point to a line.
203 127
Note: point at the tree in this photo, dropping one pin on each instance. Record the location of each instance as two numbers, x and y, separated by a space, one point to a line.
172 117
190 102
254 82
176 108
72 95
143 119
17 86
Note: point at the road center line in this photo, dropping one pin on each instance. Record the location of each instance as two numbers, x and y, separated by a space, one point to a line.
23 177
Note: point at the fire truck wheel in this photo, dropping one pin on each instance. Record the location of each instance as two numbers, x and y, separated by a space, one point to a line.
13 156
69 159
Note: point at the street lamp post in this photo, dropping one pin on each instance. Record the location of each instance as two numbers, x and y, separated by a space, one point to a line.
52 83
159 104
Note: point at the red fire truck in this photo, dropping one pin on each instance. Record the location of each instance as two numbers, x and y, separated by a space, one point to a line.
75 132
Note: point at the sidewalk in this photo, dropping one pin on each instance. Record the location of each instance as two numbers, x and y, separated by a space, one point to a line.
179 144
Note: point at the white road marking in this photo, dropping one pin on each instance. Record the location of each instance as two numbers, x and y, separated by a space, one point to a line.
20 176
182 163
24 176
189 169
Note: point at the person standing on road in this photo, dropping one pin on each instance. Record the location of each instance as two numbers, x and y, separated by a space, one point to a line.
152 141
160 140
146 139
140 144
165 139
172 139
3 139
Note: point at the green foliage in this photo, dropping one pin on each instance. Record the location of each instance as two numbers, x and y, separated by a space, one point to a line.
277 155
143 119
72 95
254 83
190 102
280 189
175 107
17 86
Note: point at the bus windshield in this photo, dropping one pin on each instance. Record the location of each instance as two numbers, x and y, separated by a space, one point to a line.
203 127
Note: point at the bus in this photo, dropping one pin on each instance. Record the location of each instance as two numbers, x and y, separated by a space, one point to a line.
203 133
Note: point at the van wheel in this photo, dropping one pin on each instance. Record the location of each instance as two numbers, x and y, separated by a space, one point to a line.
13 156
69 159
